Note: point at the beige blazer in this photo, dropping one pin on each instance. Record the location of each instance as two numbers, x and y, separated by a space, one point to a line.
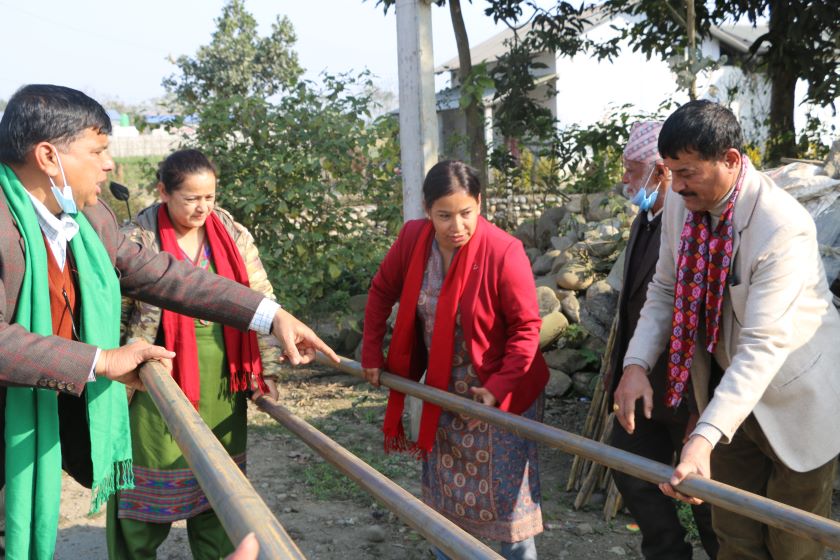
780 333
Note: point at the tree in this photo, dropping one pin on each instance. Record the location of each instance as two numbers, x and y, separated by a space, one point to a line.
304 167
237 62
474 81
801 43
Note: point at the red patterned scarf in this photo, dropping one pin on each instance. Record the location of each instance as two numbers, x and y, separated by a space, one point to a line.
702 269
443 338
241 349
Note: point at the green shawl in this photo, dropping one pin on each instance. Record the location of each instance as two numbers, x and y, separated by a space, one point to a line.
33 451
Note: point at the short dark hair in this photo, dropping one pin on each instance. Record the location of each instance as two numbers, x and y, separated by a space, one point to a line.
700 126
447 176
47 113
175 169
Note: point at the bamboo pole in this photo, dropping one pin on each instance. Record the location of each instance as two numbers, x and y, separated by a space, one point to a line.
764 510
234 500
448 537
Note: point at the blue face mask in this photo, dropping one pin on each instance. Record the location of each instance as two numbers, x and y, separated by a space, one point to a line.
64 196
643 200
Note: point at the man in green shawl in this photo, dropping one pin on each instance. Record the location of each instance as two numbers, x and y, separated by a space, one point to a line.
63 264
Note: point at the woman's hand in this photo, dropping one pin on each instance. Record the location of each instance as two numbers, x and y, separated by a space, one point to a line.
272 390
372 375
482 395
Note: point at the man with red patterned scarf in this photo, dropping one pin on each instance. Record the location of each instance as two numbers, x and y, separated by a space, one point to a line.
740 300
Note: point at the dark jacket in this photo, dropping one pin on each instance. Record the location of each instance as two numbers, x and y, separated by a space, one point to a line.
638 272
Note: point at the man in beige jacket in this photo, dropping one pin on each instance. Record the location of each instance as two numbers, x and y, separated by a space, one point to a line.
741 301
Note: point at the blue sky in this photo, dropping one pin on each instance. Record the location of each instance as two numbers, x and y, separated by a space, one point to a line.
120 49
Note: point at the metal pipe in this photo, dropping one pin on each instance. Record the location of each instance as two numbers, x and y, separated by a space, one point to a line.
759 508
438 530
236 503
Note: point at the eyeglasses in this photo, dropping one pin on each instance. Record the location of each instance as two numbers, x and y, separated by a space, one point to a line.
70 312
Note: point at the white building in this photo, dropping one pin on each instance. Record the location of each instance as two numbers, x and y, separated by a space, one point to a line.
587 89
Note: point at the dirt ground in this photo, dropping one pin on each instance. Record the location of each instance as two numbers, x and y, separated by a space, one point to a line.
331 519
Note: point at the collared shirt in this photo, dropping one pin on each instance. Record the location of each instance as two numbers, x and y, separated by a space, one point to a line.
60 230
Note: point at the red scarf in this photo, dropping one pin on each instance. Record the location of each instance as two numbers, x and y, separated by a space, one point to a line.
443 338
702 269
241 349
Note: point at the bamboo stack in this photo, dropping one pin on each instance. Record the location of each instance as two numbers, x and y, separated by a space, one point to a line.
588 476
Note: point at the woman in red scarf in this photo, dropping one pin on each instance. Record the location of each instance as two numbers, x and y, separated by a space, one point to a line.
214 365
468 316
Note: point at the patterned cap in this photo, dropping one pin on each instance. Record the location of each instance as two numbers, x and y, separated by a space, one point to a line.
642 144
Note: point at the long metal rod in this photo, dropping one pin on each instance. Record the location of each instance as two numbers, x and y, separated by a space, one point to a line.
764 510
438 530
236 503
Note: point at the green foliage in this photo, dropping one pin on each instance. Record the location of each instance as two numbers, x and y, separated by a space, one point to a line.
138 174
473 88
237 62
811 145
577 159
302 166
686 517
573 336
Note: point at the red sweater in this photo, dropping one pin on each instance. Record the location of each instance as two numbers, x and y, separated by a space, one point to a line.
499 316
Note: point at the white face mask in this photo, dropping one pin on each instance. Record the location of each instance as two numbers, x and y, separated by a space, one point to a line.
64 197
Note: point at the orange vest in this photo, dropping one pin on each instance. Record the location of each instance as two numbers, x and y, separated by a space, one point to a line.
62 295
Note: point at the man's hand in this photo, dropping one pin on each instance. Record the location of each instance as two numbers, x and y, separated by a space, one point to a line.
299 342
634 385
372 375
120 364
695 459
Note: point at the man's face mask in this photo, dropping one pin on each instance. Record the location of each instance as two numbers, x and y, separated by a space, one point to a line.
642 199
64 196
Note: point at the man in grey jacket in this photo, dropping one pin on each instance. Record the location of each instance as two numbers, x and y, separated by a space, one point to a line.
740 300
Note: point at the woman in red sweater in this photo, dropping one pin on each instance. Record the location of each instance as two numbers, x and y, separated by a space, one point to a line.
468 316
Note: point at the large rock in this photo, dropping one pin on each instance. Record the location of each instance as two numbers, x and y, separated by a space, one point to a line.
616 276
553 326
533 254
584 382
547 226
828 225
561 243
598 309
547 280
547 300
573 226
832 164
525 233
563 258
570 307
545 263
566 359
575 276
558 383
601 206
575 203
357 303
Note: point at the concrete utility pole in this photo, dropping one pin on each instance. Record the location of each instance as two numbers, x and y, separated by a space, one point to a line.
418 116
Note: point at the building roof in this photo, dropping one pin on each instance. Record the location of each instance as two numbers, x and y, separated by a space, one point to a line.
495 46
738 37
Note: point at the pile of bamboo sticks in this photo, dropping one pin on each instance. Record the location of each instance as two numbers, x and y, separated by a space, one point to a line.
587 476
